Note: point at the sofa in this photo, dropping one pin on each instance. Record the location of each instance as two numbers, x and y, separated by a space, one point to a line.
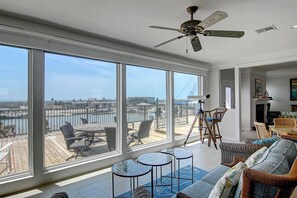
273 175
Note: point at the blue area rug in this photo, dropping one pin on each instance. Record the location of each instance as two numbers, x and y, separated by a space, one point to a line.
165 191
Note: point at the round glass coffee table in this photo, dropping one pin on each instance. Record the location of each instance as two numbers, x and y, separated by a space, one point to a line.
131 169
180 154
157 160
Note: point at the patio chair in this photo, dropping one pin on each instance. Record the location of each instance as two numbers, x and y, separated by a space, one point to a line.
143 131
111 138
5 158
77 134
74 143
261 130
11 131
7 131
84 120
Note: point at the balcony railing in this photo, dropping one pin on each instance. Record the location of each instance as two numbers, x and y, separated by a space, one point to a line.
57 117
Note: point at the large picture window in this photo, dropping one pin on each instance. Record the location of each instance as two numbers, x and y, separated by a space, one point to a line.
146 105
184 109
80 108
13 111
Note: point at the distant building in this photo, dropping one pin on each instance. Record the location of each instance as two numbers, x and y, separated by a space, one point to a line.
137 100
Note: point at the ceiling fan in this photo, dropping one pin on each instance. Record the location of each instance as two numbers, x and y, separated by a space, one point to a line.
193 27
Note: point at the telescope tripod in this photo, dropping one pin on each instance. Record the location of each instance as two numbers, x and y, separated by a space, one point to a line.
201 116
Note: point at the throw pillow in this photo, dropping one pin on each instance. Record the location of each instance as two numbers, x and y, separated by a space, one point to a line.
227 182
254 158
266 140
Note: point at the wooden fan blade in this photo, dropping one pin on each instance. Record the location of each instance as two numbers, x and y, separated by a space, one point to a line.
165 28
223 33
196 44
176 38
211 20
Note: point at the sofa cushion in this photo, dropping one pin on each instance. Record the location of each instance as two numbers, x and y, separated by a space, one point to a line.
199 189
213 176
274 164
226 185
283 147
255 157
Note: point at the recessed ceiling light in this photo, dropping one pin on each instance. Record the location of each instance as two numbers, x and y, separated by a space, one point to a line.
293 27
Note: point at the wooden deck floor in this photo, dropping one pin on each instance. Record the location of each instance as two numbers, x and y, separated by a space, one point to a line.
56 151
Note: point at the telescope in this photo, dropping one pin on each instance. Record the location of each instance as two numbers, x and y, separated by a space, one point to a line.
199 98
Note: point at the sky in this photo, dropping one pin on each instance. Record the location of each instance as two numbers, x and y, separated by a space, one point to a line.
69 77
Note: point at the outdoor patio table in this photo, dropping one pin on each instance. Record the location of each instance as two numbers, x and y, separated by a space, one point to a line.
93 128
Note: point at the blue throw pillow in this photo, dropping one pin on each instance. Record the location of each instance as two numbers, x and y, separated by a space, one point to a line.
266 140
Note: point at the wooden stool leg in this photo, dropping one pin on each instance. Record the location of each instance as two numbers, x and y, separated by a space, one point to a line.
219 134
214 134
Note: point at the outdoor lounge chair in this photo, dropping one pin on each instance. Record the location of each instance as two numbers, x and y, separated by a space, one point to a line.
5 158
74 143
143 132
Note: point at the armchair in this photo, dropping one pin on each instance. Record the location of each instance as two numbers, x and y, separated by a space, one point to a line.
243 150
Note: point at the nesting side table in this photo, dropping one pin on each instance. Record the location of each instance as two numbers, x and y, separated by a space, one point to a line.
180 154
157 160
131 169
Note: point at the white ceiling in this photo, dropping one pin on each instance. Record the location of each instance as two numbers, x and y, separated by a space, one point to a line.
128 20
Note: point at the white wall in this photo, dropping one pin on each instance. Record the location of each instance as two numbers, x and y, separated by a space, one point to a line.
279 89
230 125
247 90
245 101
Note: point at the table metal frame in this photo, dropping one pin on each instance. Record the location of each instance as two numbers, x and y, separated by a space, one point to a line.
156 172
178 159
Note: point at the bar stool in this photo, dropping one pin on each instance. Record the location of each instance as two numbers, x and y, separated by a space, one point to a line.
212 118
